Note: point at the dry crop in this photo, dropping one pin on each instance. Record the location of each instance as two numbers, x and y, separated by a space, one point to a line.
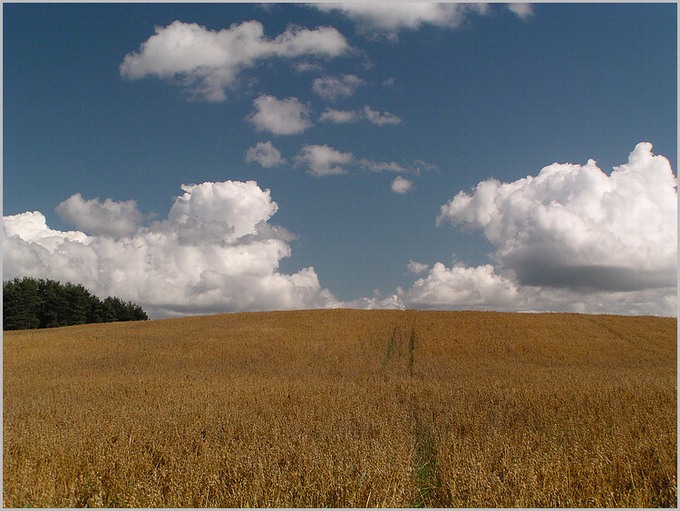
344 408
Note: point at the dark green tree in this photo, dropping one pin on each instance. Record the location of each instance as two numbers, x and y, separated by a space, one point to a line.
44 303
21 304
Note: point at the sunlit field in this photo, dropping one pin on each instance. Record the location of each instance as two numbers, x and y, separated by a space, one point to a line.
344 408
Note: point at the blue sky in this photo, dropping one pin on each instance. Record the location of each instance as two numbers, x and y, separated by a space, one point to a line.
370 123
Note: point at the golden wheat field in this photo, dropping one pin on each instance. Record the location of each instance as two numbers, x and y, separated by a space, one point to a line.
344 408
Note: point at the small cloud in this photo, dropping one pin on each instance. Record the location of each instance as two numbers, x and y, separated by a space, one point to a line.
366 113
269 8
391 166
377 301
331 88
420 166
417 268
521 10
401 185
389 82
265 154
280 116
323 160
308 67
339 116
380 118
381 166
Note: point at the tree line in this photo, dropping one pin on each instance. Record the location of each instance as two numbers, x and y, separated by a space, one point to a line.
43 303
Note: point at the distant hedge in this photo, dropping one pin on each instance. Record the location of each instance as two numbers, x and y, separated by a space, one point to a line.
43 303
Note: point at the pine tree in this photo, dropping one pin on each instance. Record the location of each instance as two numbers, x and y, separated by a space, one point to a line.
44 303
21 304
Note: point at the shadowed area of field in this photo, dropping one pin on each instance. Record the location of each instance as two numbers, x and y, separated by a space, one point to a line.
344 408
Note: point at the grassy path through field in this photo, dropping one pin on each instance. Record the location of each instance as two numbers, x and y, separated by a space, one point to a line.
429 487
402 343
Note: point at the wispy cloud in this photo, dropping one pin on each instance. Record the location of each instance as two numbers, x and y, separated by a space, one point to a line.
339 116
365 113
308 67
331 88
417 268
382 166
323 160
380 118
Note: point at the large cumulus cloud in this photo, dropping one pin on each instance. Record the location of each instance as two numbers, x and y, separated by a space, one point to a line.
575 226
571 237
216 251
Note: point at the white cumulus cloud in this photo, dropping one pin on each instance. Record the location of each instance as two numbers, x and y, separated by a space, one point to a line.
388 18
461 287
265 154
570 238
401 185
377 301
484 288
208 62
280 116
331 88
216 251
464 287
575 226
323 160
108 218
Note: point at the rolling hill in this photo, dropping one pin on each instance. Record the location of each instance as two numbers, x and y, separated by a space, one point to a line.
344 408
